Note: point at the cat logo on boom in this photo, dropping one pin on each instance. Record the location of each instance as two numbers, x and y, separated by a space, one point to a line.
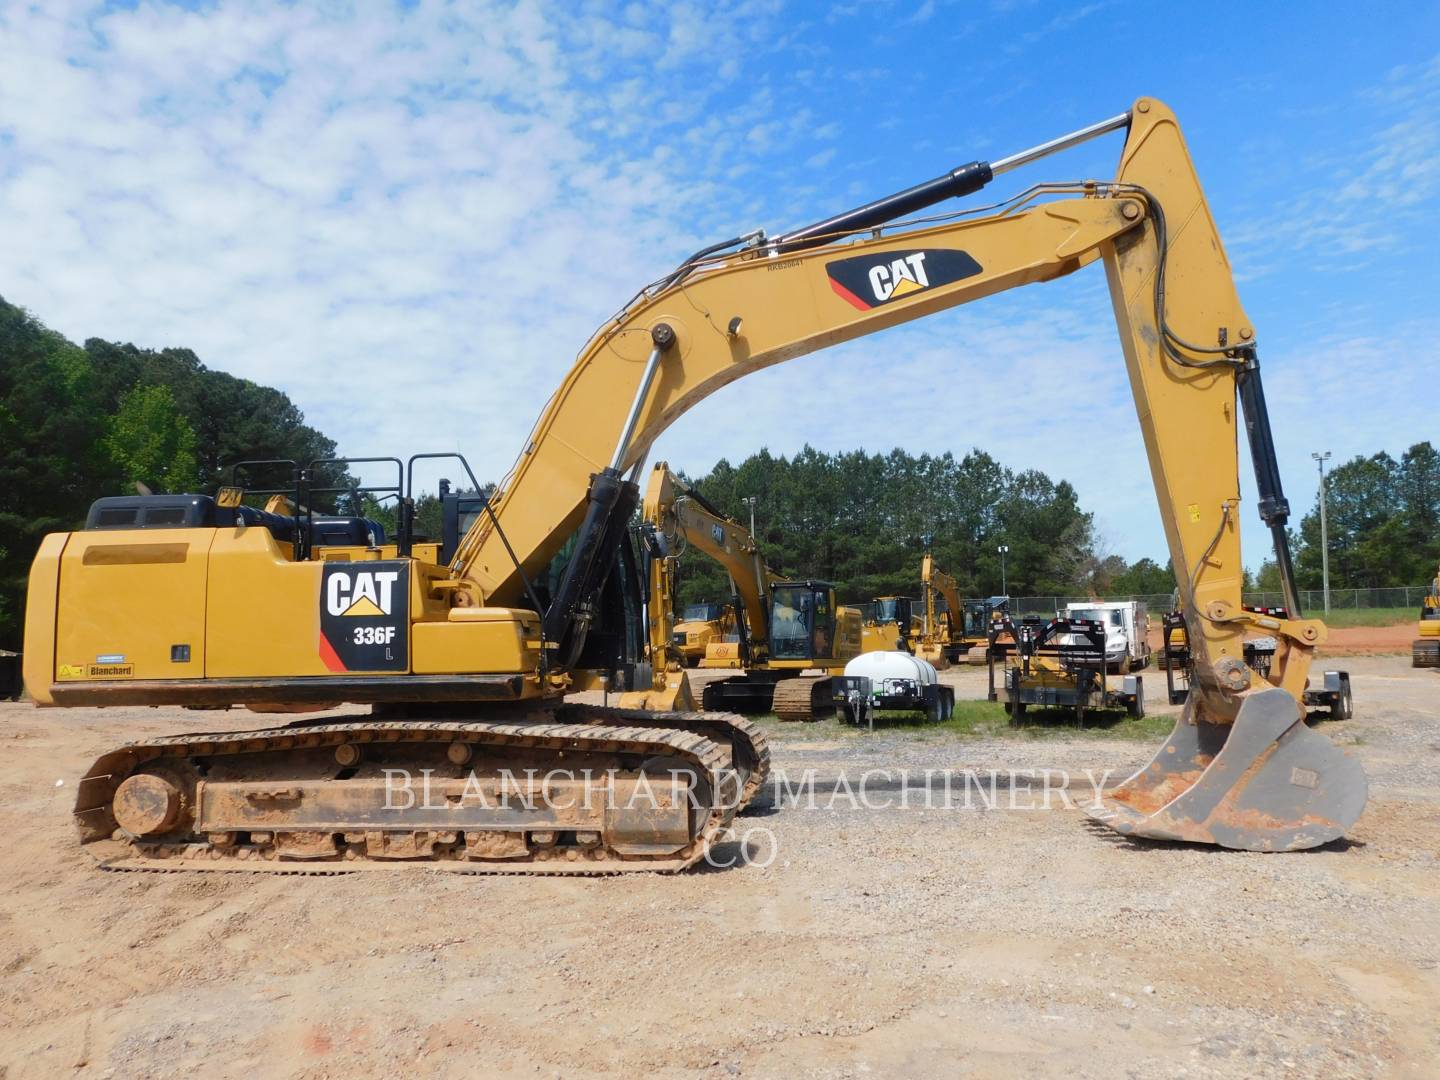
869 281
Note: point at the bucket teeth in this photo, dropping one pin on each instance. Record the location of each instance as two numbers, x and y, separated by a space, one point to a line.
1267 782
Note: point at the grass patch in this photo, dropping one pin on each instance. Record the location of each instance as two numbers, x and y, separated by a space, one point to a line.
1379 616
989 720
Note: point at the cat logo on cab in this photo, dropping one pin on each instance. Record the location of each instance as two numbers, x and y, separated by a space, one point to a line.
365 616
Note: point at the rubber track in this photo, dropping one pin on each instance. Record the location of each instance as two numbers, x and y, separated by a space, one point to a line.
592 734
794 697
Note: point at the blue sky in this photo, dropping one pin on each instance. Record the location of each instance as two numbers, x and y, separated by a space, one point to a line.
410 217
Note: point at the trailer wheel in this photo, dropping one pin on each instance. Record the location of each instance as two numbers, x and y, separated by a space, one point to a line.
1136 705
1343 707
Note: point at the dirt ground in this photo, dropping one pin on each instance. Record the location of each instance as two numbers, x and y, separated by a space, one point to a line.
1345 640
876 942
1369 640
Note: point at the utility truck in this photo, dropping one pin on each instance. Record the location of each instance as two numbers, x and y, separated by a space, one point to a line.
1127 631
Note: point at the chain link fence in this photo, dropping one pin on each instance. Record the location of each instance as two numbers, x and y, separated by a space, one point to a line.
1311 600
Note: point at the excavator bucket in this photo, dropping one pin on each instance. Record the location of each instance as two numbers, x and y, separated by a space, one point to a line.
1267 782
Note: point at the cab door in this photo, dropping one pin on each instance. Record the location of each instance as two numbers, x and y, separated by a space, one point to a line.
822 630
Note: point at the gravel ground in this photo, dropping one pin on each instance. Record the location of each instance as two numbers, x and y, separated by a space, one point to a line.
857 942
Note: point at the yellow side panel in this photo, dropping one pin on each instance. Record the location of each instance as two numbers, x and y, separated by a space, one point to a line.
263 616
425 553
128 599
476 641
39 656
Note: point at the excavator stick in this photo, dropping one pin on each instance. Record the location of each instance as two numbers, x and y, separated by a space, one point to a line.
1267 782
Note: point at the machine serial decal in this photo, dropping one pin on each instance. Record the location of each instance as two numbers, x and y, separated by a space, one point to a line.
869 281
365 616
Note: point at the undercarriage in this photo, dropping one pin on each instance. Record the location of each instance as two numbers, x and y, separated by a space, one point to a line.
570 789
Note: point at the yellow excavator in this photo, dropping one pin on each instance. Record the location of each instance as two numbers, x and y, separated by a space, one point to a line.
792 640
946 636
1425 649
207 602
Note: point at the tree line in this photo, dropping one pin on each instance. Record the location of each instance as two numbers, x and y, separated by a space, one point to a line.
862 521
81 421
1382 522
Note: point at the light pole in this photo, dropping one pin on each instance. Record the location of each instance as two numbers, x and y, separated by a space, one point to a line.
1320 460
749 501
1004 587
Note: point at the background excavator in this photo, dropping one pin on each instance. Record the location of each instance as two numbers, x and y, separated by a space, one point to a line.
951 625
789 627
212 602
1425 649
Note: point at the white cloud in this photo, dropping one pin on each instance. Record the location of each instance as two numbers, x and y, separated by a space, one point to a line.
1372 194
410 220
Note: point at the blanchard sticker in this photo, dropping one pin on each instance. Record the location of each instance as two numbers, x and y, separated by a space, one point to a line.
365 616
110 671
870 281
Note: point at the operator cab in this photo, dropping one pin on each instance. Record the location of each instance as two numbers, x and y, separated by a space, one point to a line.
978 615
458 512
894 609
802 620
709 612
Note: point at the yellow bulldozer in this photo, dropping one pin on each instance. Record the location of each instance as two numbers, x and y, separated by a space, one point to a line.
1425 649
466 662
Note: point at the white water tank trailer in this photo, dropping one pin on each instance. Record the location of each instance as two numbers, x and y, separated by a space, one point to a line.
892 681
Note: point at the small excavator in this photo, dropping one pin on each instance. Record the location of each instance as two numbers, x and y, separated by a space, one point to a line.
792 640
1425 649
209 602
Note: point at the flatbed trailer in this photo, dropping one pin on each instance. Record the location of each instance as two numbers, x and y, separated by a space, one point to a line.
1058 663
